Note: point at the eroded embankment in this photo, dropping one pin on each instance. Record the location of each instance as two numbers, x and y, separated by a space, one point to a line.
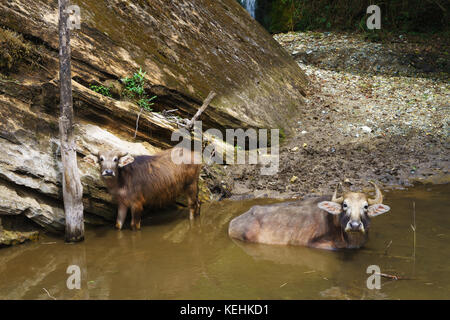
186 48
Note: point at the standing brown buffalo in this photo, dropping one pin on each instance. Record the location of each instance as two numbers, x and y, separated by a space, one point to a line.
340 223
153 181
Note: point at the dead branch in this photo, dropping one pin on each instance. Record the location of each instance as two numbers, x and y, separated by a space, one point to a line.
413 227
165 113
137 123
393 277
387 248
71 183
387 256
49 295
438 4
206 103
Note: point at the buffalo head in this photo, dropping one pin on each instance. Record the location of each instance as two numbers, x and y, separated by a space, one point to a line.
354 210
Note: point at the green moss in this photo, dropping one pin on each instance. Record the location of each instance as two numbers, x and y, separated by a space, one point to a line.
8 238
14 50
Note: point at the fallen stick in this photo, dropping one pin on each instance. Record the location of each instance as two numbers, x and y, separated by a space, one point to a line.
392 277
387 248
413 227
49 295
387 255
166 112
206 103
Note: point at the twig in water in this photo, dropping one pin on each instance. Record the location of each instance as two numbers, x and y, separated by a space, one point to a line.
393 277
413 227
387 248
48 293
383 254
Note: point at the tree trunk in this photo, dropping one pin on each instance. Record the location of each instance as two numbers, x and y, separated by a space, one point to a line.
72 188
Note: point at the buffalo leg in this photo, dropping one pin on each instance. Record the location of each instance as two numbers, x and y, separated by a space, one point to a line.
192 196
136 218
121 215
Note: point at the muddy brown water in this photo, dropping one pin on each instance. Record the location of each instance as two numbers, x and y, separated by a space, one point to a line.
171 258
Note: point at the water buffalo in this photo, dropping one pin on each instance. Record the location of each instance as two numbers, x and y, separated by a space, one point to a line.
153 181
340 223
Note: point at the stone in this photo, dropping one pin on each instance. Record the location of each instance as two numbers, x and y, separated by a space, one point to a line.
8 238
187 48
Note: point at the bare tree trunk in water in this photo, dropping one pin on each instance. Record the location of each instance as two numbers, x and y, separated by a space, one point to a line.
72 188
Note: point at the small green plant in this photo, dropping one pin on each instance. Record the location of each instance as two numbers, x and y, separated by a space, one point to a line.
105 91
134 86
134 90
145 103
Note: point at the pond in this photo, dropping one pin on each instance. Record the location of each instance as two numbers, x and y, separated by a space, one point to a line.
172 258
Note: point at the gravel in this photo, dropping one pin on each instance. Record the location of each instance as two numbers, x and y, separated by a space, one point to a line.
371 113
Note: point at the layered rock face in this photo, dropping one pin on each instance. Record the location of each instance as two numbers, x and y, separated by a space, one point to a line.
187 48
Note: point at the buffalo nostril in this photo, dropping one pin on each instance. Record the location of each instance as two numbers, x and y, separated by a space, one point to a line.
108 172
355 225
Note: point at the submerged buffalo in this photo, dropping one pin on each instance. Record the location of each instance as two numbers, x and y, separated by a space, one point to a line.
153 181
340 223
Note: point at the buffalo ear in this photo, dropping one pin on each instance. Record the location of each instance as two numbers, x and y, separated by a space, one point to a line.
330 207
377 209
123 161
91 159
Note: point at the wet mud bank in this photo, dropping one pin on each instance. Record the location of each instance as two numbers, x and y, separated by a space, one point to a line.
368 116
